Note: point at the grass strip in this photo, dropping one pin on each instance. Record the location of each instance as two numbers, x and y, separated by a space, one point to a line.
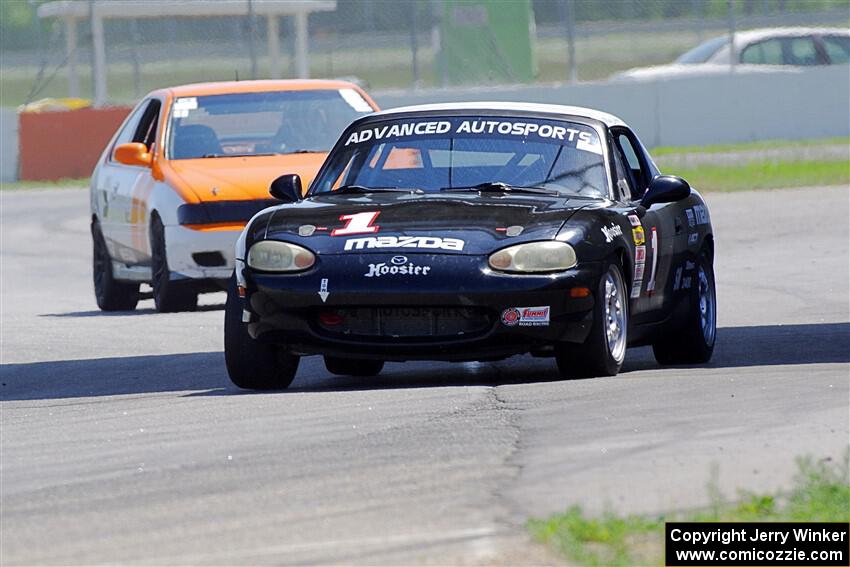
765 175
820 493
748 146
69 183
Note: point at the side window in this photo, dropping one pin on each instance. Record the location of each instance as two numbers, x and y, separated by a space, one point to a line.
146 130
801 51
141 127
129 128
624 181
837 48
768 52
639 178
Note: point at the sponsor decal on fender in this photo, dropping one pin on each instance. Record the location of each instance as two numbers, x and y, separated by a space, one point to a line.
428 242
650 285
611 232
638 236
701 213
640 267
692 238
526 316
634 220
691 220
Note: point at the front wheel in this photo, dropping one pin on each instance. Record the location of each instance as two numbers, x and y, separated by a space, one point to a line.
604 350
251 364
110 294
168 295
693 341
350 367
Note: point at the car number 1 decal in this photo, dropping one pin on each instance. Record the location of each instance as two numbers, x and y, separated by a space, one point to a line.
358 223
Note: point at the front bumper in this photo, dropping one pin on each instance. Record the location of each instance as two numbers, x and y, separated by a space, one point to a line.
185 246
289 309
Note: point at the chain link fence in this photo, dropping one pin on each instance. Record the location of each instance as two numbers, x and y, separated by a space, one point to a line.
382 44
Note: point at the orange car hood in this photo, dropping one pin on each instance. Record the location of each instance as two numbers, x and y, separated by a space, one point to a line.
237 178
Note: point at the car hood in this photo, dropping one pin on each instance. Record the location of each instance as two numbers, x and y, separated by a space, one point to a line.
240 178
416 223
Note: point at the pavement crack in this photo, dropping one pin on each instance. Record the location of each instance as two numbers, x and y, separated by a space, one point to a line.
508 515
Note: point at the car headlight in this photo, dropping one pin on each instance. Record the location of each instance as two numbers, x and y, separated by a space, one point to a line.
534 257
276 256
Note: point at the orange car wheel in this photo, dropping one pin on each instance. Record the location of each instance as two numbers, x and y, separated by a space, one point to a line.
168 295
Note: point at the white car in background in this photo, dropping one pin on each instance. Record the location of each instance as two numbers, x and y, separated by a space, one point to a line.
767 49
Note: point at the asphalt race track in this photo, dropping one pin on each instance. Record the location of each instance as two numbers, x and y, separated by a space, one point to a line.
124 442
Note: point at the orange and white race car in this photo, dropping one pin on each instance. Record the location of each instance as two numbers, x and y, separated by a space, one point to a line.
189 167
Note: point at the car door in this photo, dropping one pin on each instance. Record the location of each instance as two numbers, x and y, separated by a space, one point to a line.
106 183
654 238
122 183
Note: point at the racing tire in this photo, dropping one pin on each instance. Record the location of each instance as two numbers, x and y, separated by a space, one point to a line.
604 350
169 295
692 342
110 294
251 364
348 367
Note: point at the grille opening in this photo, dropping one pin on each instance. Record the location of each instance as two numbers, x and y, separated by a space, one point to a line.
404 322
208 259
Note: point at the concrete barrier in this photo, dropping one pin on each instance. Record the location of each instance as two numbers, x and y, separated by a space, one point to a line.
56 145
8 144
690 110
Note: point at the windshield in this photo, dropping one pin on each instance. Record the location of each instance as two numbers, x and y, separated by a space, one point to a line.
438 154
703 52
261 123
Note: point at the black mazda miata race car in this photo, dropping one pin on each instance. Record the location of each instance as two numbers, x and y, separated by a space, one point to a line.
474 232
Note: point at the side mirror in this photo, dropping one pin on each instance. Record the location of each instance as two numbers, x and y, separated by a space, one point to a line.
286 188
665 189
133 153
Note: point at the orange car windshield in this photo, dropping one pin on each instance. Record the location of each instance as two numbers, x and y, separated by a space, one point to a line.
265 123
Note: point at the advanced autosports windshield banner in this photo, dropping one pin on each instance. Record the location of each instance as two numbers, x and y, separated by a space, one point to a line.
579 136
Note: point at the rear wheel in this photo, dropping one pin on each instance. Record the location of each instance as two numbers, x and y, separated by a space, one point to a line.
168 295
251 364
604 350
111 294
350 367
693 341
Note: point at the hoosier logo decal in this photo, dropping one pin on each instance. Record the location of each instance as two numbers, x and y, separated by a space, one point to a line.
396 267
